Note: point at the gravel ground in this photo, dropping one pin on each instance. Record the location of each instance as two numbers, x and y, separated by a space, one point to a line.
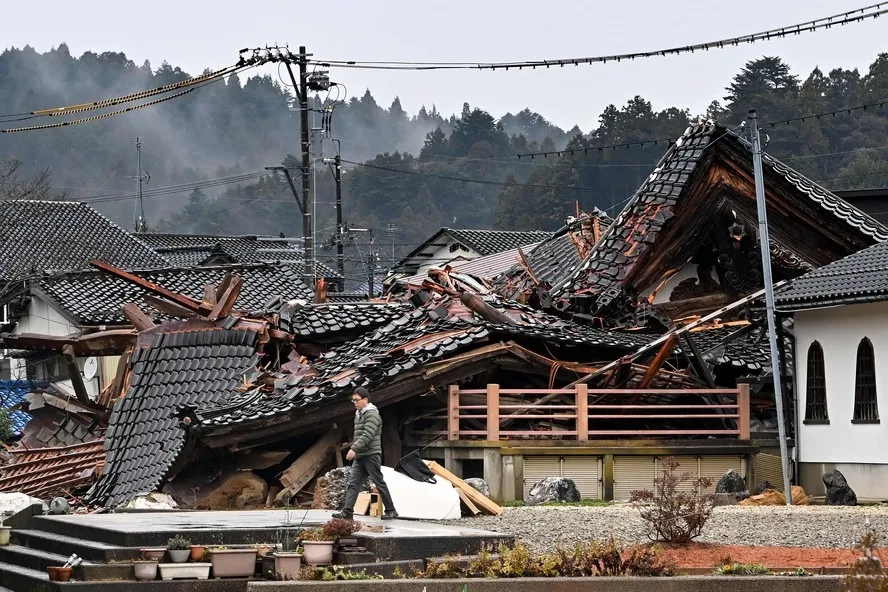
542 528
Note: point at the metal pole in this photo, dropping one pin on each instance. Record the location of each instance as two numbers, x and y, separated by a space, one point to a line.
340 254
371 267
307 201
769 298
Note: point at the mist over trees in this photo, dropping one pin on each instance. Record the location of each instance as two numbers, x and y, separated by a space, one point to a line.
410 163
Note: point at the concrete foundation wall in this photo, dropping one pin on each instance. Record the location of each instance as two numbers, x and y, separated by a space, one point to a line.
677 584
869 481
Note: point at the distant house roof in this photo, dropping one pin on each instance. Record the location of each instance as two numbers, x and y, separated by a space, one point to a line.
95 298
855 279
483 242
36 236
188 250
486 267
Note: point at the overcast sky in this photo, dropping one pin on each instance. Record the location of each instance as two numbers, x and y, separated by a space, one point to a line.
197 34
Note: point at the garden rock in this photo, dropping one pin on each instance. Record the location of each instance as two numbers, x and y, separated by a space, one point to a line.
838 492
59 505
553 489
479 485
729 499
151 501
761 487
733 483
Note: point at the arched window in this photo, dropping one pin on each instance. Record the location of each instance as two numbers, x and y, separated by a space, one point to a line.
866 405
815 407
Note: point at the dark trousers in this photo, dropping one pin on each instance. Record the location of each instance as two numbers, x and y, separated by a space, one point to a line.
360 469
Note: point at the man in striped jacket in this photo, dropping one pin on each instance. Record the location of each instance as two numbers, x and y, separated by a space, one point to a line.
366 456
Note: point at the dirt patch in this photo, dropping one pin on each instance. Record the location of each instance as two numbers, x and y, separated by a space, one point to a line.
711 555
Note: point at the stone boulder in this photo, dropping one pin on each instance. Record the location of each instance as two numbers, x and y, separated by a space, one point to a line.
553 489
239 491
732 483
330 489
838 492
479 485
729 499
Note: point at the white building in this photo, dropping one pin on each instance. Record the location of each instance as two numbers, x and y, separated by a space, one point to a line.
841 383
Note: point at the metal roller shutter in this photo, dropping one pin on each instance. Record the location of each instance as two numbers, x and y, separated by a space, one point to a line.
631 473
715 467
585 472
537 468
686 464
768 468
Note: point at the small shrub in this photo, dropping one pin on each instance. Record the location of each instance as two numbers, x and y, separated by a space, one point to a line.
450 567
340 527
743 569
178 543
335 573
673 515
7 430
866 575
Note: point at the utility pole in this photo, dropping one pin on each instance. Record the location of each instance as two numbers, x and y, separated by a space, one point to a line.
139 222
371 266
340 253
391 229
301 89
765 243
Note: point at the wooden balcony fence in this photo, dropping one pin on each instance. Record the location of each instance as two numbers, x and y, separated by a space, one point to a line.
605 419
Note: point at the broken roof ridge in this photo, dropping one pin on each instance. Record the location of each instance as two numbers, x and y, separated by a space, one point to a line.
53 274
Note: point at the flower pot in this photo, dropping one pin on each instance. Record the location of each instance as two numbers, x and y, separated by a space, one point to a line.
154 553
4 535
145 570
233 563
63 574
318 552
287 565
197 552
53 573
179 555
179 571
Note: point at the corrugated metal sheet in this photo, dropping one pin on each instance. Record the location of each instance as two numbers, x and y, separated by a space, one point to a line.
686 464
768 468
715 467
540 467
631 473
585 472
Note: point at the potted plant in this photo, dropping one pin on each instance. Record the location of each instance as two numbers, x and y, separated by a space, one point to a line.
176 571
318 542
145 569
197 552
153 553
179 549
233 563
288 564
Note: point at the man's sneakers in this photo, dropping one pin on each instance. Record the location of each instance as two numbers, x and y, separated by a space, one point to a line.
344 515
389 515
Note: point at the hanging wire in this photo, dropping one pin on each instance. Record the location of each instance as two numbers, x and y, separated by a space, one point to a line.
843 18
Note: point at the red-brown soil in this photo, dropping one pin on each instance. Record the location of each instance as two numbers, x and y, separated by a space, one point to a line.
712 555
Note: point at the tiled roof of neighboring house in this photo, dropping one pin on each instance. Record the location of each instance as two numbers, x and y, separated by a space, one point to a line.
12 394
858 278
36 236
407 343
329 320
483 242
188 250
601 274
96 298
346 297
181 365
43 472
487 267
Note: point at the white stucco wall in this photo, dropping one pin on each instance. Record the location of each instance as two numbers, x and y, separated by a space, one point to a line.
839 331
442 255
44 319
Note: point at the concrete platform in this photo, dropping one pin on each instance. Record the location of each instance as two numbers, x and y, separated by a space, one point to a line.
388 540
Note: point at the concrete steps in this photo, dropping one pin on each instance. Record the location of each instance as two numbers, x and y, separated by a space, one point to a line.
60 544
31 558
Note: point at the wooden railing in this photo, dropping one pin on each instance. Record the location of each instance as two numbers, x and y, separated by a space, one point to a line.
590 419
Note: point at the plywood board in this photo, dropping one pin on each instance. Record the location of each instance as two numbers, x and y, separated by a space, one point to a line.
478 498
468 502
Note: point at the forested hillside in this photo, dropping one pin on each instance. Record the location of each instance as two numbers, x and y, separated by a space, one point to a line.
403 169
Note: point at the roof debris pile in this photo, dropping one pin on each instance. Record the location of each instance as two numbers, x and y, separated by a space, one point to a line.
230 365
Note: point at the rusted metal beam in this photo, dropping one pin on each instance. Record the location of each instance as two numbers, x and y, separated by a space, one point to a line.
134 315
157 289
74 374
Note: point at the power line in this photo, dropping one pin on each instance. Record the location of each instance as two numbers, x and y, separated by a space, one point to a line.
670 141
857 15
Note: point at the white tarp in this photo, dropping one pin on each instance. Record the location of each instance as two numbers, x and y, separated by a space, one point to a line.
420 500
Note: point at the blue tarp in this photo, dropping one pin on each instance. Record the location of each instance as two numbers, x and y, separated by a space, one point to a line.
12 393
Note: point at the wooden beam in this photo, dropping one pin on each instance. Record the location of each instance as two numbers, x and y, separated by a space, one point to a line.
658 362
74 375
110 342
582 412
223 285
304 468
156 289
226 302
484 310
743 424
139 319
468 502
210 298
493 412
476 496
698 362
117 385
